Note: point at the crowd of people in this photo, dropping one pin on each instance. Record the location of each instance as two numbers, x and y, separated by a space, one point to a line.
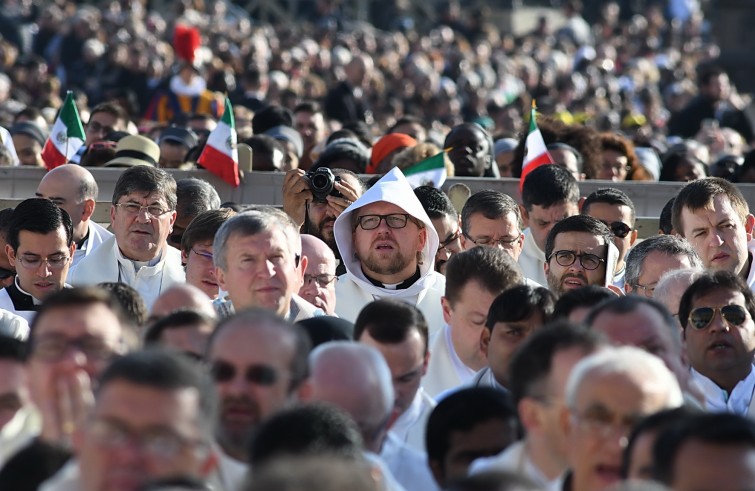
371 334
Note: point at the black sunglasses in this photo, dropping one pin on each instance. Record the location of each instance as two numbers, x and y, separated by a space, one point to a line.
255 374
701 317
619 229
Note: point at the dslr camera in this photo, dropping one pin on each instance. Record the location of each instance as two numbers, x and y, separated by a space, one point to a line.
322 184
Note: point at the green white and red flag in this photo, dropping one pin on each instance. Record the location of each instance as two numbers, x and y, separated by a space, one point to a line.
66 137
220 155
535 151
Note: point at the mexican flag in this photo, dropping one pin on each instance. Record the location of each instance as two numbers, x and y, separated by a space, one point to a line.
535 152
220 155
66 137
428 172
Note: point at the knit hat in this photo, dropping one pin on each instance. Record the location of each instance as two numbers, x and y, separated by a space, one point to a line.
384 146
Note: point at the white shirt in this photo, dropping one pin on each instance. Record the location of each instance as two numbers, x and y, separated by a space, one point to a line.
97 235
516 459
717 400
532 260
445 370
408 466
410 427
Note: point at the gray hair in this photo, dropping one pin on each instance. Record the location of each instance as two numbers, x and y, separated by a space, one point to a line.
195 196
146 179
667 244
627 360
668 281
252 222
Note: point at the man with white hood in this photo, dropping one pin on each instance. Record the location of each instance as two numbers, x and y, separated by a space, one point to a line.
388 246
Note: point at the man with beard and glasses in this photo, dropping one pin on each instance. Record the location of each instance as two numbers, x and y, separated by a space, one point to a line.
314 217
388 244
259 362
577 254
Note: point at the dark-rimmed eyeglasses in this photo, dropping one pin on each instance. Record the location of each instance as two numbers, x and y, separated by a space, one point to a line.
322 280
133 209
567 258
618 229
504 242
701 317
254 374
451 244
393 220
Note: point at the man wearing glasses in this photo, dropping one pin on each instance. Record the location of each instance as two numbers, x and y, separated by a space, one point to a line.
197 250
614 208
40 247
652 258
387 244
576 253
105 119
490 218
142 217
320 278
446 222
716 313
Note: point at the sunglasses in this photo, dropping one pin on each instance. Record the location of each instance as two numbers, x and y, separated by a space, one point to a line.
619 229
255 374
701 317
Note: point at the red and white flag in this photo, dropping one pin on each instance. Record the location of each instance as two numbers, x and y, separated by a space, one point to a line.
220 155
535 151
66 137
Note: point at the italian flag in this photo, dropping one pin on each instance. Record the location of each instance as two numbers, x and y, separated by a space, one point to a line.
535 152
66 137
428 172
220 155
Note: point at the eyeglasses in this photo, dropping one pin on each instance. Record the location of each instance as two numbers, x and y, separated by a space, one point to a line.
133 209
53 262
158 443
255 374
504 242
393 220
567 258
603 424
203 255
451 244
648 289
99 128
323 280
619 229
53 348
701 317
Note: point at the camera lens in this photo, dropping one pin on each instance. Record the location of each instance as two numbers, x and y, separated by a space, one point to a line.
320 181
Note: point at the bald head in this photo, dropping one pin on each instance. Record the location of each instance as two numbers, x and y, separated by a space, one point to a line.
73 189
181 297
358 68
320 261
355 378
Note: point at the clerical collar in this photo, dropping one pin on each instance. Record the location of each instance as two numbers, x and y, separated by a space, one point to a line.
399 286
22 300
80 244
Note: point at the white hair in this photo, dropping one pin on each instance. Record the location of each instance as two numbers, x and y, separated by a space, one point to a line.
673 278
624 360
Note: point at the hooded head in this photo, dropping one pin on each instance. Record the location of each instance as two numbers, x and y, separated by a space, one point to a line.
393 190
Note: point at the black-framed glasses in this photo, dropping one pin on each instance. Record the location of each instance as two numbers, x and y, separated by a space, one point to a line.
133 209
254 374
504 242
701 317
322 280
393 220
451 244
618 229
567 258
204 255
56 262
